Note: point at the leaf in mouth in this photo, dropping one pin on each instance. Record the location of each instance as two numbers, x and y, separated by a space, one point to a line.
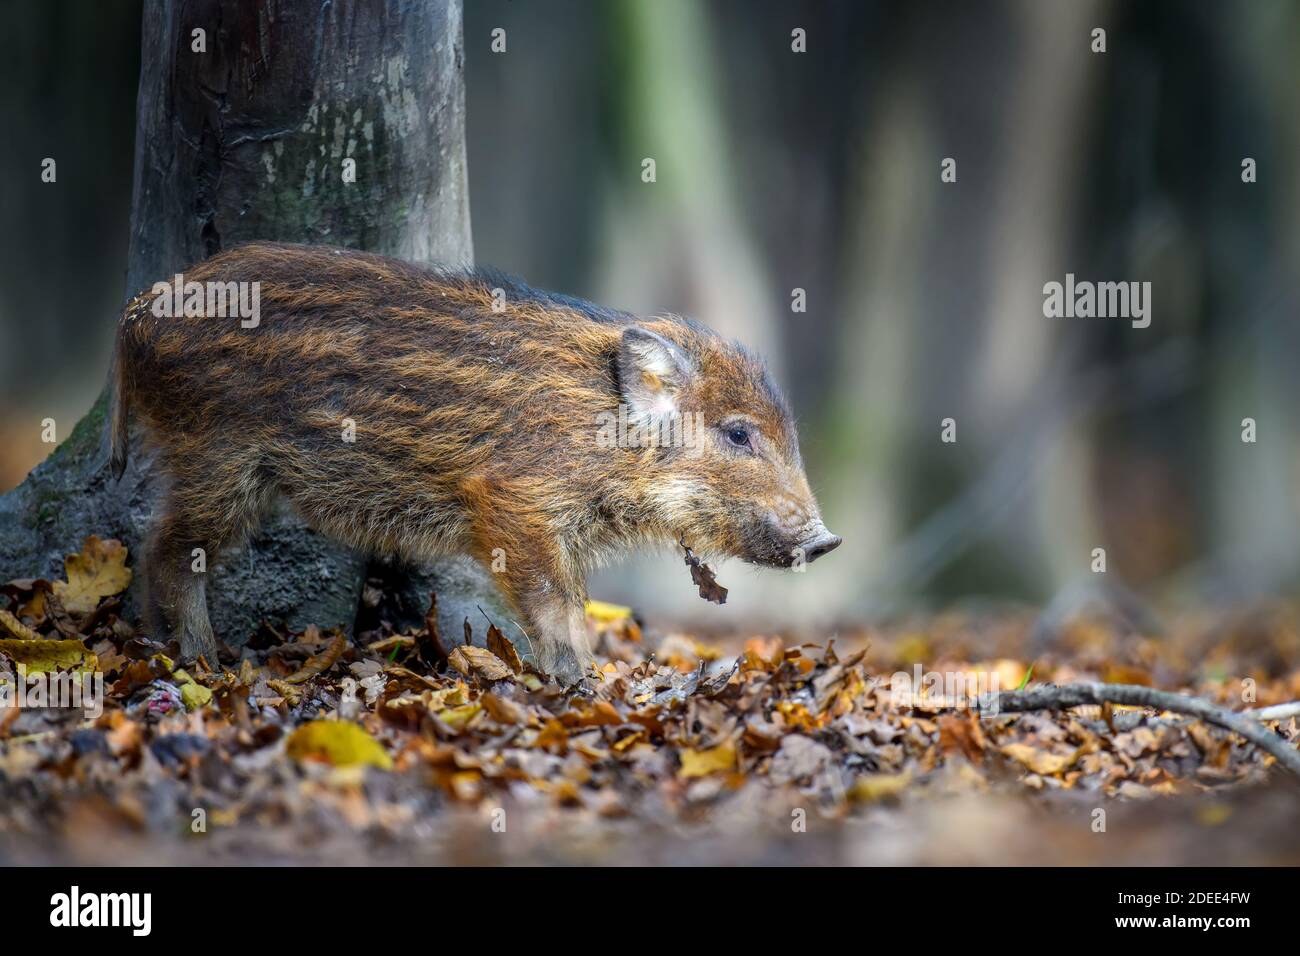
703 577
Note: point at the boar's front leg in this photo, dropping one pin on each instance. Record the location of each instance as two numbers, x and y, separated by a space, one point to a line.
515 541
553 610
558 632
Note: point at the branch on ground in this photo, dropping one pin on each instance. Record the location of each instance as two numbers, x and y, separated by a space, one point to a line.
1276 712
1063 696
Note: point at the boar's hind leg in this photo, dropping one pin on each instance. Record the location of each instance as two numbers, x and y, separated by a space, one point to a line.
194 527
176 604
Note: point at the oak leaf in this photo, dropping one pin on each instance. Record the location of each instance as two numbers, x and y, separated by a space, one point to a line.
99 571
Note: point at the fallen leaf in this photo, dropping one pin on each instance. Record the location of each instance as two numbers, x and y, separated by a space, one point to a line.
457 717
503 710
963 734
874 787
99 571
17 628
337 743
320 663
29 596
703 577
478 662
1123 674
290 692
701 763
194 694
1043 762
429 643
43 656
500 645
798 758
600 714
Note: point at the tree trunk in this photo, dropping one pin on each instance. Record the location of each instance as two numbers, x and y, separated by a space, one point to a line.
242 133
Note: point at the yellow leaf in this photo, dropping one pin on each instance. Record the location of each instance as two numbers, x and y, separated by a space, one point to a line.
1010 673
466 785
1041 761
99 571
338 743
604 613
17 628
701 763
873 787
193 694
40 657
1213 814
457 717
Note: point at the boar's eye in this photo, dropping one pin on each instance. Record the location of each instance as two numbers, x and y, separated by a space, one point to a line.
738 436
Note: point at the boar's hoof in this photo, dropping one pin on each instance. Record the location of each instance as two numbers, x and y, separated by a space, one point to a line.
194 645
565 664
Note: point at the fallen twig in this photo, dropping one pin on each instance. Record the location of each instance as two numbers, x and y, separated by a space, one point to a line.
1062 696
1276 712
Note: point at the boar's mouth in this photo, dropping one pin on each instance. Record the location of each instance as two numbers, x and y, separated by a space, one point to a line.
767 546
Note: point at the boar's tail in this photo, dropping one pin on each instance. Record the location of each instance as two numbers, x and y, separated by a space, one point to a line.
119 409
118 441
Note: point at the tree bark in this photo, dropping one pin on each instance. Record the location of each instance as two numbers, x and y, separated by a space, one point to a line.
242 132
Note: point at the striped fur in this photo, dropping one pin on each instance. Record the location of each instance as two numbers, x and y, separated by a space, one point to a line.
475 430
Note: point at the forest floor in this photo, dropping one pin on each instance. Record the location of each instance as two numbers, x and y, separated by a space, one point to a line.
749 748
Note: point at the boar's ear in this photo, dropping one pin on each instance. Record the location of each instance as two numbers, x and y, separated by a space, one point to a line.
651 371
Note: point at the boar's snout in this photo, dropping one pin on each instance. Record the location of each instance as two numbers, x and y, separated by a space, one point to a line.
767 545
821 543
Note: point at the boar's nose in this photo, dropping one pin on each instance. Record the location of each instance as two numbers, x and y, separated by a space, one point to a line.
823 543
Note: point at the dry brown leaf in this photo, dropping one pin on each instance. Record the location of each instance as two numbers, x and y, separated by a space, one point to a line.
703 577
319 663
798 758
429 643
600 713
962 733
503 710
500 645
286 690
29 597
1043 762
1217 751
478 662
